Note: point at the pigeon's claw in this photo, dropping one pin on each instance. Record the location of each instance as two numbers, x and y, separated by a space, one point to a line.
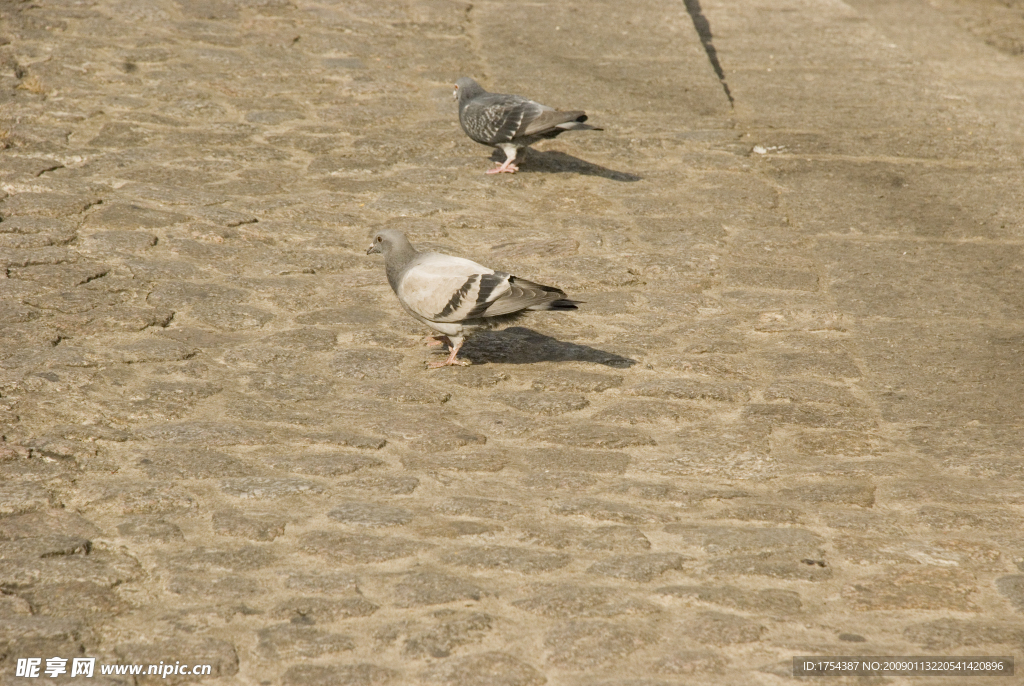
451 361
507 167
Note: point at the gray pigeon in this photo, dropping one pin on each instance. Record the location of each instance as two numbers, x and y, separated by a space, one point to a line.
510 122
455 296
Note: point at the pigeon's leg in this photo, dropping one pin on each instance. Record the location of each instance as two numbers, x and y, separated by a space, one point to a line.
451 361
434 341
508 165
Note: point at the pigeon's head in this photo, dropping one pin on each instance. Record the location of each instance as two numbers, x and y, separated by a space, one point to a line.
467 89
388 240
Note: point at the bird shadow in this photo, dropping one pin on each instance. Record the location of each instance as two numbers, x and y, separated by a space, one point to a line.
519 345
555 162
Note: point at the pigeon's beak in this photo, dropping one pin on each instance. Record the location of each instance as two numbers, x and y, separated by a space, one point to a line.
455 93
373 249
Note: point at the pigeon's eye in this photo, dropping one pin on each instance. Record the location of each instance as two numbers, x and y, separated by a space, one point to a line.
379 239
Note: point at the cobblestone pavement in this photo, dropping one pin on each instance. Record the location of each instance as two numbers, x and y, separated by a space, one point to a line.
787 421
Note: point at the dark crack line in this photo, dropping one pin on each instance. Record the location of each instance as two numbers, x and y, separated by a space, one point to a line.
700 23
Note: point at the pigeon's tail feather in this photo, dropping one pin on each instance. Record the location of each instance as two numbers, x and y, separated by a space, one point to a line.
549 297
576 126
560 304
554 122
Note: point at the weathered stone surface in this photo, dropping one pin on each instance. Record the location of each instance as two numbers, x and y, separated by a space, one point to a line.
43 204
847 494
140 498
610 538
371 515
544 403
328 582
434 588
765 600
122 239
609 511
16 498
728 539
470 462
485 669
320 609
1012 587
338 675
914 589
507 558
44 546
74 599
577 381
638 567
634 412
384 485
53 522
591 436
149 528
437 436
723 629
366 364
778 565
234 587
947 634
358 548
689 662
688 389
254 526
477 507
444 632
588 644
261 488
571 601
240 559
573 460
408 393
293 641
192 464
205 433
457 528
333 464
767 512
42 634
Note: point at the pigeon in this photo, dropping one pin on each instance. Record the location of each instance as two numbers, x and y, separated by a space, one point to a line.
510 122
456 296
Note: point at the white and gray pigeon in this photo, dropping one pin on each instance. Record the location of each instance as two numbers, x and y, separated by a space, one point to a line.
510 122
455 296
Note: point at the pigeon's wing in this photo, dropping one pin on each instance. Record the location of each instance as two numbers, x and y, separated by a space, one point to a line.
495 118
447 289
442 288
512 294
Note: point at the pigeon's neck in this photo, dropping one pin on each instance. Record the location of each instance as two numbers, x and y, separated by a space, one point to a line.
467 93
397 258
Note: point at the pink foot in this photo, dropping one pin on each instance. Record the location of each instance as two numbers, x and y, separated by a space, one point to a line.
451 361
505 168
